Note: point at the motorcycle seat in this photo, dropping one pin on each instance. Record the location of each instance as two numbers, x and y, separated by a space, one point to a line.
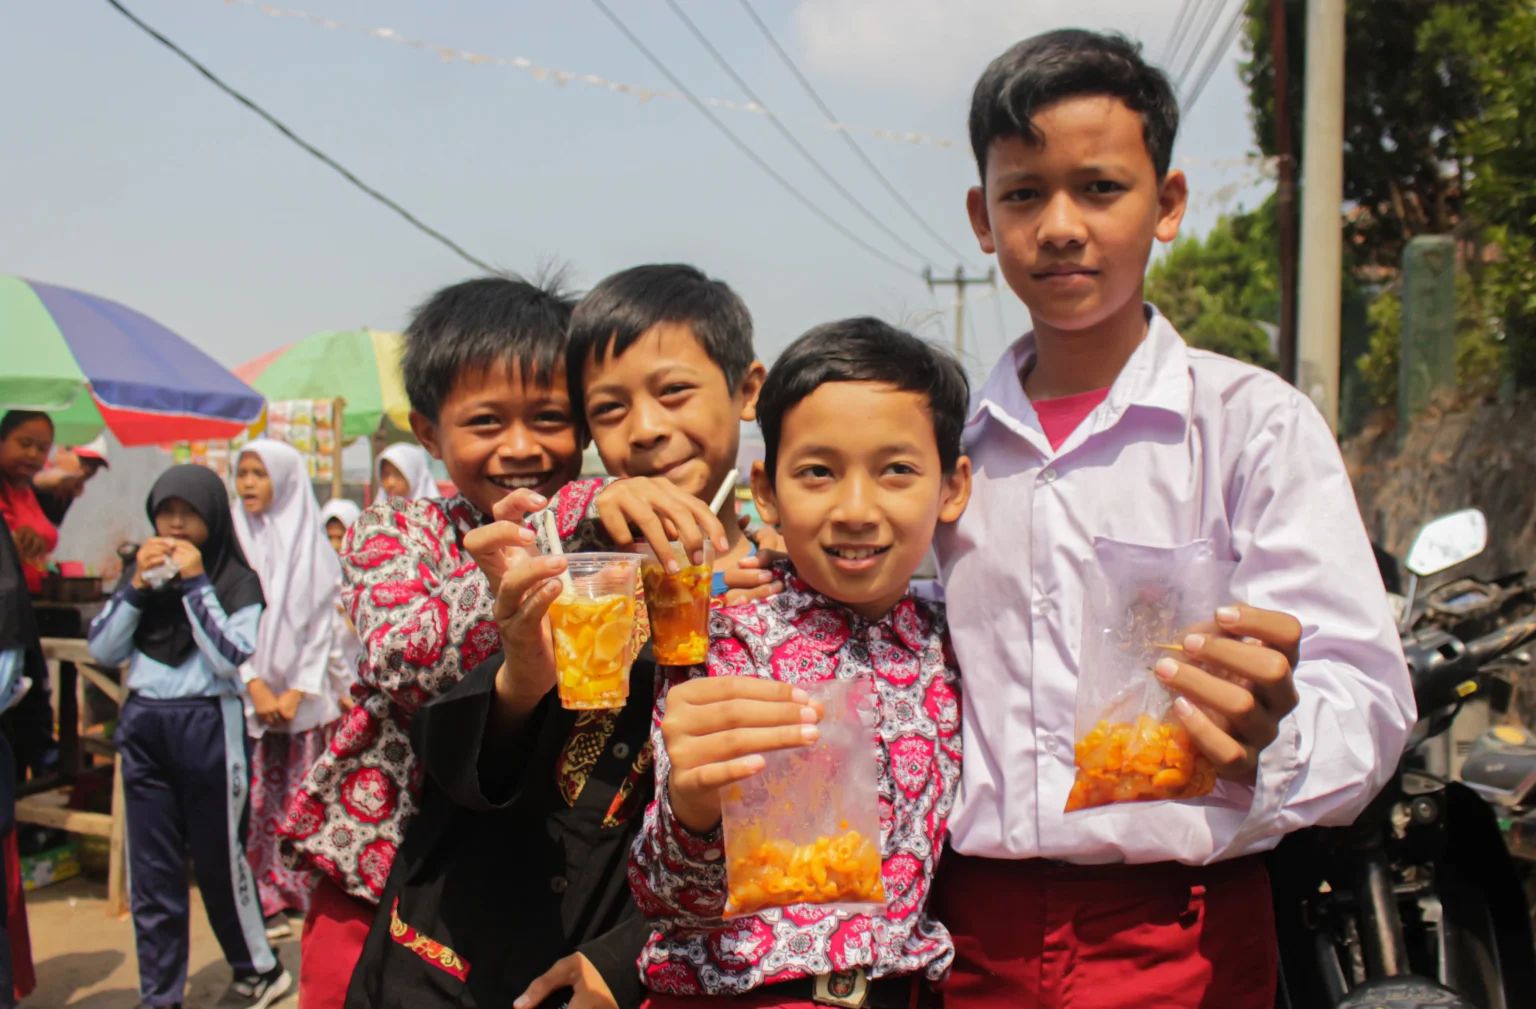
1406 992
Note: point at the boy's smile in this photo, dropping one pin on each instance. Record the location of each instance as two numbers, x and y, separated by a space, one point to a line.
1072 218
859 491
496 433
662 408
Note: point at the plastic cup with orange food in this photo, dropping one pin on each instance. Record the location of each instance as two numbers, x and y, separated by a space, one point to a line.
593 622
678 605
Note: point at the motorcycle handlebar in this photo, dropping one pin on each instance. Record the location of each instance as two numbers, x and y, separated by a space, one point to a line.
1505 639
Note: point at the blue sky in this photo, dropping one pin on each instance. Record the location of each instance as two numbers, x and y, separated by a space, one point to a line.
126 174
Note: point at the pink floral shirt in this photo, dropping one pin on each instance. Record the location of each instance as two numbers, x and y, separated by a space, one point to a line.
678 877
423 612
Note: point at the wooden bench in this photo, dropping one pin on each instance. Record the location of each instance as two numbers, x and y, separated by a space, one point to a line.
70 668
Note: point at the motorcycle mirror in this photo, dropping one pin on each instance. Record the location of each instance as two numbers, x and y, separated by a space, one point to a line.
1447 541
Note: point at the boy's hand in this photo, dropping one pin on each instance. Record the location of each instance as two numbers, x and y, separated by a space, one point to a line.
588 989
716 730
754 577
488 545
528 586
288 704
661 513
1233 711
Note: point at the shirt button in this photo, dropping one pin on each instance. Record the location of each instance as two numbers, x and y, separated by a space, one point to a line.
621 750
1044 607
558 884
1049 744
1048 475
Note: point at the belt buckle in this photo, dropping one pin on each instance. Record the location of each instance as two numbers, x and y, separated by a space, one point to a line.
847 988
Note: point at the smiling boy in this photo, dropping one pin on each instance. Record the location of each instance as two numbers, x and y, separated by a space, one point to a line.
1100 428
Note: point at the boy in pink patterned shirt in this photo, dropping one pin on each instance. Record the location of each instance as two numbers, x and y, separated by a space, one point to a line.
861 424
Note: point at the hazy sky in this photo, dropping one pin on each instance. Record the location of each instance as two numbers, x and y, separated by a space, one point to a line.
125 173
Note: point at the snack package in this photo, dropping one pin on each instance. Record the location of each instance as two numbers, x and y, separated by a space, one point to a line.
806 828
1139 603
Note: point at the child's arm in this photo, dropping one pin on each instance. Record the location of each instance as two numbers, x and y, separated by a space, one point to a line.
707 733
110 637
226 641
1303 551
407 579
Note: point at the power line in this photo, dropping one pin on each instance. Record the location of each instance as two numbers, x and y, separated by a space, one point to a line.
1179 37
832 121
1199 46
742 145
1228 35
785 132
311 149
1178 23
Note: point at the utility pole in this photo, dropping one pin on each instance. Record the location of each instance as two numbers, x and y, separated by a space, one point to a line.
959 282
1285 190
1322 197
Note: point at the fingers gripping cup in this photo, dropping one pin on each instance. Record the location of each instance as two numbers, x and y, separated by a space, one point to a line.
678 605
592 622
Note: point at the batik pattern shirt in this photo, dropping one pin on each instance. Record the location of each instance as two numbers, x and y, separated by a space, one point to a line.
678 877
423 611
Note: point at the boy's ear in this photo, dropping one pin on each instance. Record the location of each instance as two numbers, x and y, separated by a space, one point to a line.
762 493
956 491
425 431
1172 201
981 222
750 388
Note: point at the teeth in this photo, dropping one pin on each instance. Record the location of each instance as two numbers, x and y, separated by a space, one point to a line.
855 553
518 482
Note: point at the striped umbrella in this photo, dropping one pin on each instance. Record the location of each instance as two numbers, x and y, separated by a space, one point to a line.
93 363
360 365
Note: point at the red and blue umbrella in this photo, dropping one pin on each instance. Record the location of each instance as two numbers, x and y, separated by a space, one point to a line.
93 363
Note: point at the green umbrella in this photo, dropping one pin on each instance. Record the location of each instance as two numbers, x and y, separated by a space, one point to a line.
360 365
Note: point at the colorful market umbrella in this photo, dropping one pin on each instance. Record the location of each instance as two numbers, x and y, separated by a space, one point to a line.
360 365
93 363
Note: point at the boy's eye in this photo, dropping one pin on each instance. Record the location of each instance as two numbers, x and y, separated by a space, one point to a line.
552 418
607 411
1103 187
675 389
901 469
815 471
482 419
1020 195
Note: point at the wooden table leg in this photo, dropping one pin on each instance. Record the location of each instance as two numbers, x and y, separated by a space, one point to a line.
117 848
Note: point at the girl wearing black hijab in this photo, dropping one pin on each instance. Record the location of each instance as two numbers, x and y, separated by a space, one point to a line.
184 618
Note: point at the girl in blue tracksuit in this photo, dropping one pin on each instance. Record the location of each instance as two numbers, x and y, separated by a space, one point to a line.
181 734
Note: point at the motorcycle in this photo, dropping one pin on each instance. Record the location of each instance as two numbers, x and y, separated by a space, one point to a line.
1418 902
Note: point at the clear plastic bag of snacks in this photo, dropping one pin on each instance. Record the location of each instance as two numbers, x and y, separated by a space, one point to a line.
806 829
1139 603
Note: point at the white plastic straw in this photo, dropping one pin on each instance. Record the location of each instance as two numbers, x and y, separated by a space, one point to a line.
726 486
552 538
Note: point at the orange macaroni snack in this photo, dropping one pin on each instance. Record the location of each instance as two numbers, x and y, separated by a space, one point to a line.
1131 762
679 608
771 873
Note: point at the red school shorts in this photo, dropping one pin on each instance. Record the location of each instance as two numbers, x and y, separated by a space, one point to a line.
1056 936
335 931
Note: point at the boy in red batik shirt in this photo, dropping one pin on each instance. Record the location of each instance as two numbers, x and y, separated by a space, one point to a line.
484 369
861 425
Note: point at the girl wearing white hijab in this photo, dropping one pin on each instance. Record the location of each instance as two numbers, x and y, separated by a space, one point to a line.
338 516
294 693
405 471
346 650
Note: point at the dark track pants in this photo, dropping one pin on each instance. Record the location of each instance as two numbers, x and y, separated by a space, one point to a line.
186 786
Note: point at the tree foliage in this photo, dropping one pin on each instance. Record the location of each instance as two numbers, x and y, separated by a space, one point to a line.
1217 290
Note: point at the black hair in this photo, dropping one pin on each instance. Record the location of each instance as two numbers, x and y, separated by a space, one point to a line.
865 350
1066 63
15 418
478 324
622 308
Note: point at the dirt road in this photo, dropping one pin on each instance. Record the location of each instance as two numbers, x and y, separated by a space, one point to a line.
85 958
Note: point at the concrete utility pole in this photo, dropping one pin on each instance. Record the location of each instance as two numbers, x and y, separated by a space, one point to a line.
1322 197
959 283
1285 190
